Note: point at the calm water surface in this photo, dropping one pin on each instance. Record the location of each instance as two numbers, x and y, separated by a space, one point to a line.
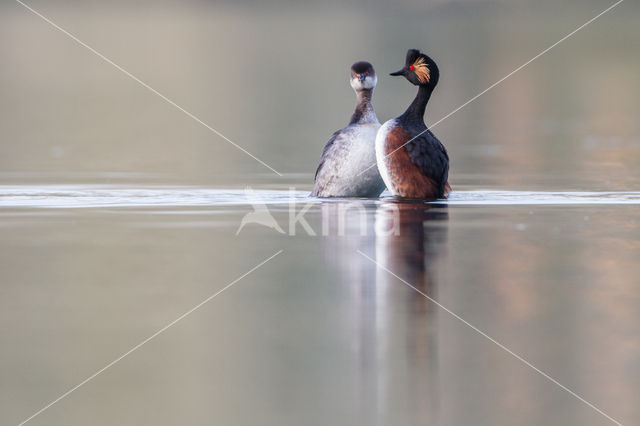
320 334
118 214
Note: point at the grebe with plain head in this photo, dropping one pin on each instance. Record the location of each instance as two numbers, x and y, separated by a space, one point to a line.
351 150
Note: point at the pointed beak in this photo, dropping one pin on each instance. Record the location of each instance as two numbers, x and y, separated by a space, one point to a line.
399 72
361 77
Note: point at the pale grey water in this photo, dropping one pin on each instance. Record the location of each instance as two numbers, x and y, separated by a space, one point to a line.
318 335
91 196
118 214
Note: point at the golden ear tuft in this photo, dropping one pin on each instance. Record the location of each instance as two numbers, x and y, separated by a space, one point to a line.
421 69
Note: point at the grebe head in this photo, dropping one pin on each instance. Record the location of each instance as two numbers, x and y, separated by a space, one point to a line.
419 69
363 76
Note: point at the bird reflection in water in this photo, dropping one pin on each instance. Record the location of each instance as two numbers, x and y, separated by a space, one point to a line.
394 326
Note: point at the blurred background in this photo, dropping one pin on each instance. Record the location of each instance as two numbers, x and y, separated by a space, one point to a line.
273 77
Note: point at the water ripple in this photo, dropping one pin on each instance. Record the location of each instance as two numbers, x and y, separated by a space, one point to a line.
92 196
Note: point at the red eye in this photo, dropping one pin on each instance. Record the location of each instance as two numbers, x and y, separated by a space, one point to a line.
367 72
412 67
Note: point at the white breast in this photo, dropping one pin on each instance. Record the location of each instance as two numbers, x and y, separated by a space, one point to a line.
349 167
383 168
362 148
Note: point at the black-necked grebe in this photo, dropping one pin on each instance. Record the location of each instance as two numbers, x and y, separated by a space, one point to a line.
412 161
351 150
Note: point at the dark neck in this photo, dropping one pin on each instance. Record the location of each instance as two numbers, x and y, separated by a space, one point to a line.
364 110
415 112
